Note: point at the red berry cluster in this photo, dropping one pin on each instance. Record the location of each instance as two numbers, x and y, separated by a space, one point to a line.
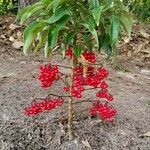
104 111
69 52
45 105
77 87
103 93
93 78
48 74
96 79
89 56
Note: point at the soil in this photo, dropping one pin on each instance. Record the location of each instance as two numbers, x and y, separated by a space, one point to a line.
130 86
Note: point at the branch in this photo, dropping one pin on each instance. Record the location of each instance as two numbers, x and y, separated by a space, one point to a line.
57 95
83 101
91 88
62 66
64 81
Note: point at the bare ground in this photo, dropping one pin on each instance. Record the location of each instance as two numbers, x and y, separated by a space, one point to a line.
18 87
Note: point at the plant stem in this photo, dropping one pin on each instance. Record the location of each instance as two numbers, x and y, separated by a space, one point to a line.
58 95
70 118
70 105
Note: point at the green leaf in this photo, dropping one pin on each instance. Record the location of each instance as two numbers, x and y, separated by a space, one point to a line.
22 12
25 14
91 24
53 37
59 13
94 33
126 21
69 38
42 38
115 29
55 4
30 33
47 50
87 40
63 50
49 6
109 50
107 40
114 53
96 12
62 22
78 51
94 3
46 2
108 5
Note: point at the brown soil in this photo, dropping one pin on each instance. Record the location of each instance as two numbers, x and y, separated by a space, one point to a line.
18 87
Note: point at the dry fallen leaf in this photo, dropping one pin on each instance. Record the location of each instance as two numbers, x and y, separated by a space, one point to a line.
144 34
19 36
147 134
127 39
146 51
146 72
147 56
11 38
17 44
13 26
2 36
58 136
86 143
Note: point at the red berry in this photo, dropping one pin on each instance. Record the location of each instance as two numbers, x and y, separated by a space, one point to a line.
89 56
48 74
104 111
37 108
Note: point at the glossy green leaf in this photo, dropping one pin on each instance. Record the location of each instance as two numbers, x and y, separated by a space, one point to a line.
94 33
115 29
42 38
55 4
47 50
91 24
46 2
87 40
96 12
30 33
126 21
108 5
62 22
107 40
94 3
53 37
59 13
114 53
69 38
22 12
109 50
78 51
27 13
63 50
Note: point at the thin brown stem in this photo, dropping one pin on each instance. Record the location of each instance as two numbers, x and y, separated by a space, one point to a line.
92 88
83 101
58 95
70 107
63 66
63 74
70 118
64 81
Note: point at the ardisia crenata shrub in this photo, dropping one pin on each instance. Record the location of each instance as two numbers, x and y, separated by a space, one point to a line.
76 29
